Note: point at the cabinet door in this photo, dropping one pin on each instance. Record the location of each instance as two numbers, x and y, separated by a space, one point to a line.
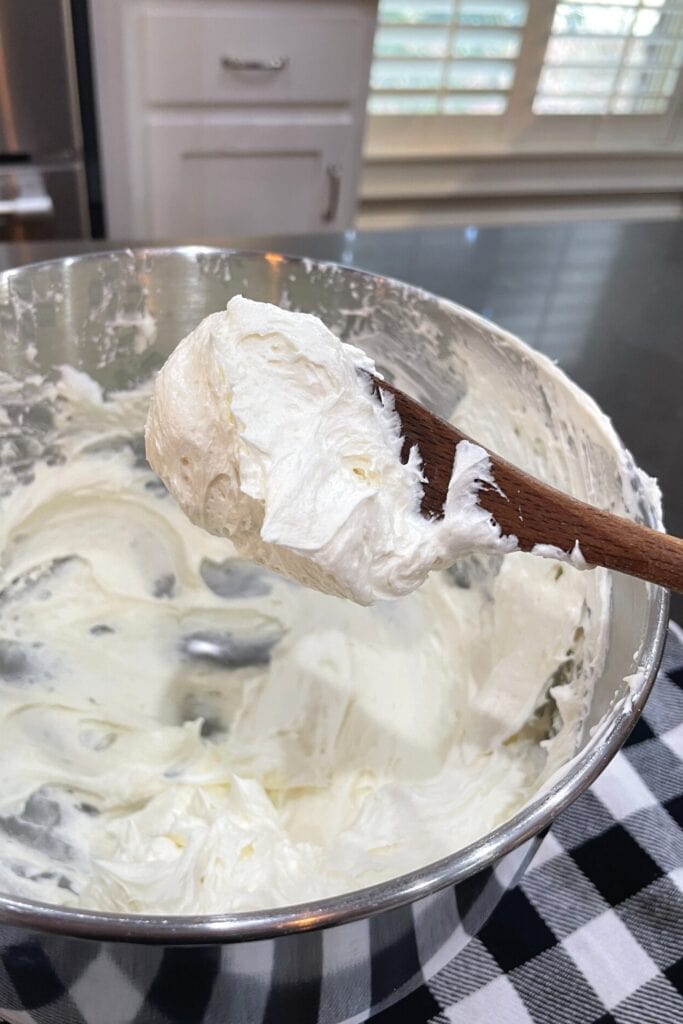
217 175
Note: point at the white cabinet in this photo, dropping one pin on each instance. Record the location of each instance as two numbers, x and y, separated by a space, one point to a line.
222 117
228 176
287 55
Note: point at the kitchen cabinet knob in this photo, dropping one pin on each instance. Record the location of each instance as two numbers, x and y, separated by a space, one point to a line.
242 64
334 189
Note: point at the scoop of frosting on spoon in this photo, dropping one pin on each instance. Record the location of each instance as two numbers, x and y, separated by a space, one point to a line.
272 432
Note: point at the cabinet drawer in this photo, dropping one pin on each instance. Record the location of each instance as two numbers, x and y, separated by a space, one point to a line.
220 177
219 56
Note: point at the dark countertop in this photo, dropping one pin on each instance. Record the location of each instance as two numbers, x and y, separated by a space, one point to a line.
604 299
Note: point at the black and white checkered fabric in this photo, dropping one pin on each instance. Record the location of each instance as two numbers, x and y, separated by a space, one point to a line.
594 932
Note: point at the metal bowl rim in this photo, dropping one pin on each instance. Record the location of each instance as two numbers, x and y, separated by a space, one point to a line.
536 816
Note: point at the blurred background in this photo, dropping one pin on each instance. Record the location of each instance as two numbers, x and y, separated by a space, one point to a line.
158 119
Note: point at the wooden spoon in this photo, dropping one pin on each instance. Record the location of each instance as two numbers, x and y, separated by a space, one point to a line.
534 512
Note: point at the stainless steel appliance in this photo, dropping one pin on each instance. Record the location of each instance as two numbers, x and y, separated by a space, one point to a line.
328 961
43 191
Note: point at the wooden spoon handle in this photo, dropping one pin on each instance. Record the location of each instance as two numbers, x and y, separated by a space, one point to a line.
531 510
539 514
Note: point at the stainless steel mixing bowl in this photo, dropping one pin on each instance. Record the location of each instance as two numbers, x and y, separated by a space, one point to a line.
342 958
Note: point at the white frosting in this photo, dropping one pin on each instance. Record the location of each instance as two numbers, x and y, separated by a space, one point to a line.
265 432
184 732
573 557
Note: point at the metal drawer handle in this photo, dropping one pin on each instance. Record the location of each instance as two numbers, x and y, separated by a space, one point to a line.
333 172
240 64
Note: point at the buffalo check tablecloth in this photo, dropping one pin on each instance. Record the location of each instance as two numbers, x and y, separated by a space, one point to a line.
594 932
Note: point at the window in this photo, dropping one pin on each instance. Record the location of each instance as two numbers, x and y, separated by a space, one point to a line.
445 57
511 76
611 58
